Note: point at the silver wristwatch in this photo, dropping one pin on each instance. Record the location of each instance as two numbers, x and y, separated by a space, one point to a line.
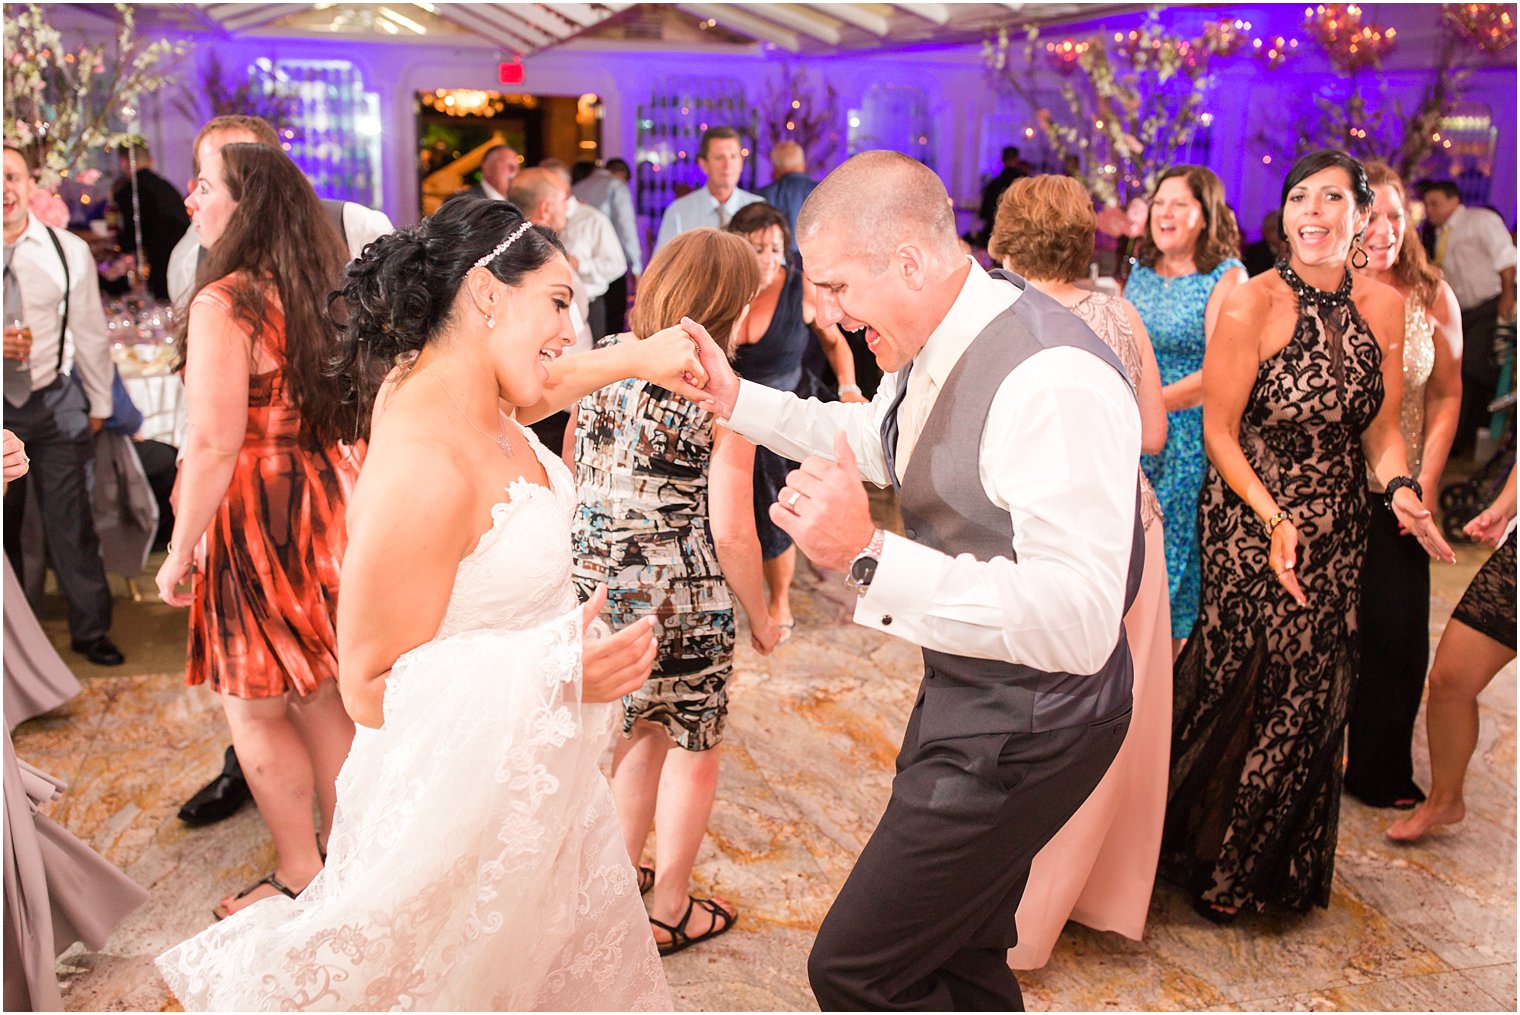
863 567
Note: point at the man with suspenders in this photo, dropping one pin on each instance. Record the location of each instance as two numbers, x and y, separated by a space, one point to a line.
57 374
358 225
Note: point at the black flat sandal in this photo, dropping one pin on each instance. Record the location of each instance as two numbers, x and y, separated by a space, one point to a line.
722 920
271 880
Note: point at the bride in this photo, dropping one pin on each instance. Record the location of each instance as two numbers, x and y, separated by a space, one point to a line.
475 859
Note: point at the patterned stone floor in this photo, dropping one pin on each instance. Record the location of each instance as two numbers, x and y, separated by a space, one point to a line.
806 772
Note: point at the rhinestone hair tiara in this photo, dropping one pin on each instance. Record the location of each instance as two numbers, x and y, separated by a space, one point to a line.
502 246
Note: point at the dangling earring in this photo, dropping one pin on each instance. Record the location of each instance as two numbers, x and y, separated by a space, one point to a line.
490 320
1357 251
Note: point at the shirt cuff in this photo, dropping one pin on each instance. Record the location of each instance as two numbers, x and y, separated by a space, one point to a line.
903 572
756 408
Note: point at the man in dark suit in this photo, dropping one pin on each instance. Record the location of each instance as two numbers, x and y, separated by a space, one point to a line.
1014 168
164 219
790 184
1010 432
497 167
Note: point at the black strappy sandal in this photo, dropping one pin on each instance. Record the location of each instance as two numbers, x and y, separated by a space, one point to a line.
272 881
646 880
722 920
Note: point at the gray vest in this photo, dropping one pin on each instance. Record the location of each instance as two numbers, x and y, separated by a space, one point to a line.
945 507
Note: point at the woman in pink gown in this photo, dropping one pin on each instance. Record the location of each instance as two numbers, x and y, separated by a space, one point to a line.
1101 866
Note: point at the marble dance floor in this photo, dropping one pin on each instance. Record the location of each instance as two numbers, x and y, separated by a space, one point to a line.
807 765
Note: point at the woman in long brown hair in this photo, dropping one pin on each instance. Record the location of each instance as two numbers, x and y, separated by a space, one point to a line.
259 530
1187 264
1394 616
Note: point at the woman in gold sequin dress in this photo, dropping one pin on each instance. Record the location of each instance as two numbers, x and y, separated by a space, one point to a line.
1395 611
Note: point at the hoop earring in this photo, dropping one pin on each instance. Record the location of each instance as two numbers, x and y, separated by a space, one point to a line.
1357 251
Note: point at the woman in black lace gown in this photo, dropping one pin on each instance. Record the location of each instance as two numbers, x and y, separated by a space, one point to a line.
1303 379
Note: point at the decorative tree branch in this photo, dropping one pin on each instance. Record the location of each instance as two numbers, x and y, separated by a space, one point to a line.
790 110
261 92
62 106
1131 99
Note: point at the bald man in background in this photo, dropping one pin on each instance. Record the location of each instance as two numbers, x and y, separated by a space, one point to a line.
1011 435
790 184
544 197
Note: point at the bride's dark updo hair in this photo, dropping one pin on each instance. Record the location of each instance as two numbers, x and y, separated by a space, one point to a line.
400 294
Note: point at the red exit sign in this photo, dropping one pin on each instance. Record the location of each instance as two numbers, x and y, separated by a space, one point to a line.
510 73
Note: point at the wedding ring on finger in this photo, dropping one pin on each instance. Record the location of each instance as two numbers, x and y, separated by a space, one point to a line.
791 502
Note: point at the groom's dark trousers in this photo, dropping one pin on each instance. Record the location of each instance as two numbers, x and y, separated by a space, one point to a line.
925 921
997 755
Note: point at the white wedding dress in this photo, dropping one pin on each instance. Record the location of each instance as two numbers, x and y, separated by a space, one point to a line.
475 861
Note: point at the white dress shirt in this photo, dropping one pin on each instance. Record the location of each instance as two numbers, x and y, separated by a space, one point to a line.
589 236
361 225
1059 453
1474 247
87 346
698 209
609 195
489 191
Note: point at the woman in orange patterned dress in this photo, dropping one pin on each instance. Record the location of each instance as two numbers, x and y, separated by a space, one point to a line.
259 530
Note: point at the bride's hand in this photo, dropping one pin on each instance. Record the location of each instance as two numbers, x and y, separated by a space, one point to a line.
617 664
669 358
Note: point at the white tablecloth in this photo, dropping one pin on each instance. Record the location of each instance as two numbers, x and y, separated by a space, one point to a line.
161 400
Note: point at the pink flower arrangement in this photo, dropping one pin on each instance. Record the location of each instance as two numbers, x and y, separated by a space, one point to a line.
49 208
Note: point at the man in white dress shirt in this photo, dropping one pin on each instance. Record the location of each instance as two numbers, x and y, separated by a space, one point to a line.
57 367
544 198
1476 252
720 154
609 195
357 224
1011 434
591 240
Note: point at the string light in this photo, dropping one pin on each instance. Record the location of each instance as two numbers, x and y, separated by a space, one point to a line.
1350 42
1490 27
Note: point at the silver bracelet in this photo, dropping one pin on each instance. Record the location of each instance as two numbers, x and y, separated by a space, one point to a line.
850 389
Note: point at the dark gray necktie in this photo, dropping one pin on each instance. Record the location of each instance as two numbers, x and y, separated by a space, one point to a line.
18 378
889 425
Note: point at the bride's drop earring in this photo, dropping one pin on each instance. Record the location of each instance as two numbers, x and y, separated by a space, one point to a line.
491 318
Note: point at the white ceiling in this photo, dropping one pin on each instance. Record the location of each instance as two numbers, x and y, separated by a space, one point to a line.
528 27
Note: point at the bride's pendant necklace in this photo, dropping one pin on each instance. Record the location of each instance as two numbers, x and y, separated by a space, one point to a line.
500 439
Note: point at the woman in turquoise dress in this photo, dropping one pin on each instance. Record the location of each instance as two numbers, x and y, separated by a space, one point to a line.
1185 266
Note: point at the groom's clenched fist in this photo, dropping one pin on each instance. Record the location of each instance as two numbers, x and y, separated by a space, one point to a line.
823 508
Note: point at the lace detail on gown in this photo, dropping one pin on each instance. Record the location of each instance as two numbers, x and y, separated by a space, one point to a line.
476 861
1104 315
1263 686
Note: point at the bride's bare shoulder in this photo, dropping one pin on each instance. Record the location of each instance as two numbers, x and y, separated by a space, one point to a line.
412 464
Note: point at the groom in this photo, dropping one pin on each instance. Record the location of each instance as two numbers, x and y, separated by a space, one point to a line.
1011 435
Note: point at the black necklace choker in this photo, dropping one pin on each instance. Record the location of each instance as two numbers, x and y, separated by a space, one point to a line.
1309 293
